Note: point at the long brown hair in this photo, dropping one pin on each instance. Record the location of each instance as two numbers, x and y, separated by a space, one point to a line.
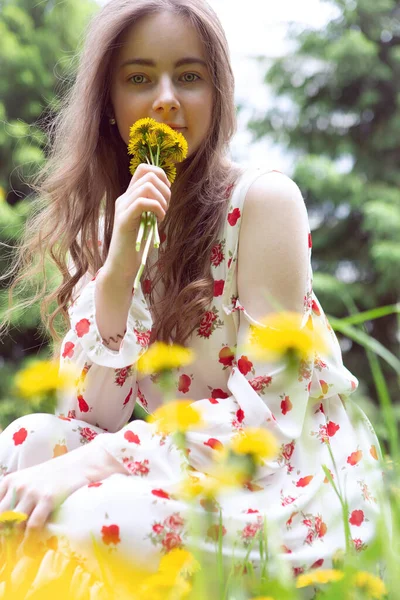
88 169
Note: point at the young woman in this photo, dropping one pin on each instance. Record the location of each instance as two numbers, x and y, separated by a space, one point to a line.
235 244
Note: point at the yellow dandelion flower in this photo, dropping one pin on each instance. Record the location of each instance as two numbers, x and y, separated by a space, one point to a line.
44 376
282 333
220 477
178 415
12 516
319 576
257 441
162 357
371 584
180 562
142 127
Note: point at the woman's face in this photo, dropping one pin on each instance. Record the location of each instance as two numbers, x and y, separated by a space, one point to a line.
164 90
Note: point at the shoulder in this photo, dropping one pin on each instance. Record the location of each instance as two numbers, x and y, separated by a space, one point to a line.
273 191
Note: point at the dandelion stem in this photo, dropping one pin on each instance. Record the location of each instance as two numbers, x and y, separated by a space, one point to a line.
141 231
149 235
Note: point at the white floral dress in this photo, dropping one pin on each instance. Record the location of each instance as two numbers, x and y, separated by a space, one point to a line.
309 411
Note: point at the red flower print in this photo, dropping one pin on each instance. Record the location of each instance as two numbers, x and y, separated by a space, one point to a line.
95 484
354 458
234 216
174 522
251 511
141 399
217 255
229 262
244 365
128 397
226 356
303 481
286 405
88 434
288 450
315 308
146 286
332 428
82 327
71 414
250 530
63 418
20 436
218 393
184 383
214 444
121 375
83 405
171 541
68 350
110 534
160 493
213 532
206 324
373 452
320 527
309 240
219 287
240 415
143 337
131 437
260 383
158 528
356 517
297 571
137 467
163 237
213 400
286 550
318 563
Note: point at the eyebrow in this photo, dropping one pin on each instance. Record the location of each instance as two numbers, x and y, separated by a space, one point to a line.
189 60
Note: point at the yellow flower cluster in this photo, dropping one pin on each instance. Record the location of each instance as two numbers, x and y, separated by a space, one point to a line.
159 142
319 576
233 464
281 333
371 584
176 416
42 377
162 357
256 441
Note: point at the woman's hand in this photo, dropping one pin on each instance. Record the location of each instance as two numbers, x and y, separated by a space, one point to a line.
148 190
38 490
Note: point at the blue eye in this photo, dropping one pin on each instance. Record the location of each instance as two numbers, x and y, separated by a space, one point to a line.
131 79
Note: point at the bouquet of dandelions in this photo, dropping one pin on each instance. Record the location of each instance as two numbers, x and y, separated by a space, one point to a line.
159 145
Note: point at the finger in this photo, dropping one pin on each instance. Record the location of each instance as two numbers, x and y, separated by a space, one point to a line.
39 516
144 205
25 506
144 168
7 501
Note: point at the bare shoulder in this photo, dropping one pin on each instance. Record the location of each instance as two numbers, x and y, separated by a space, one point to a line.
272 190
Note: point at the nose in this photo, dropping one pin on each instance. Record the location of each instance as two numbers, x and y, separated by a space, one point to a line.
166 97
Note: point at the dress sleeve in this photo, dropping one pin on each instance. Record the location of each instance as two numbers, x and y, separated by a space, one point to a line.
105 389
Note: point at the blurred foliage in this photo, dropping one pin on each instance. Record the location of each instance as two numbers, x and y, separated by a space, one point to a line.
338 111
39 45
